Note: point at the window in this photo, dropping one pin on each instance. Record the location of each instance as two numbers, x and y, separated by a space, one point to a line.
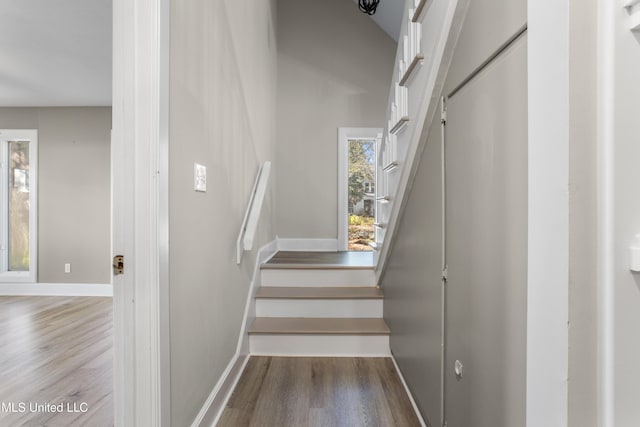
18 213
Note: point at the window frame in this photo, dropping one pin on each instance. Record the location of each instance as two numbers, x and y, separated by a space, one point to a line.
6 136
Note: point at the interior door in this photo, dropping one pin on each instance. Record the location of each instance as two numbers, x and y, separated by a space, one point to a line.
486 245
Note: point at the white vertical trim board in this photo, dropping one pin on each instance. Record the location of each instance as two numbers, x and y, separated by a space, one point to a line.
139 226
213 407
606 178
344 135
548 213
57 289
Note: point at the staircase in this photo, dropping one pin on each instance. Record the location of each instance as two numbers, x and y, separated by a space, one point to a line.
319 304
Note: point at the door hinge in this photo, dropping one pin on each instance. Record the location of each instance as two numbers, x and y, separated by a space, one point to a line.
445 274
443 111
444 424
118 265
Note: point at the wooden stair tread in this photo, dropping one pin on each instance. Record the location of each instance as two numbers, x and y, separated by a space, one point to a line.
359 292
320 260
323 326
312 266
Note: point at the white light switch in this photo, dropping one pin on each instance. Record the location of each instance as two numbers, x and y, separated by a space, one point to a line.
199 177
67 268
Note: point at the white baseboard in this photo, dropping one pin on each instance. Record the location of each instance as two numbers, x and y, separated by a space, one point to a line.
57 289
308 245
406 388
214 405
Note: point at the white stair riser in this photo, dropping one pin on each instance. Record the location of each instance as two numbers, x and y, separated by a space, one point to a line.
310 277
318 308
319 345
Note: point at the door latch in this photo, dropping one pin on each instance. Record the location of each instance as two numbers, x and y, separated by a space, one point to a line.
118 265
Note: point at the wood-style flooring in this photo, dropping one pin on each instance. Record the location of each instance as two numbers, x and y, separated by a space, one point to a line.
56 353
321 259
322 392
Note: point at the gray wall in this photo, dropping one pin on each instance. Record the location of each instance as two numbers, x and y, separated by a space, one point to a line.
222 115
74 212
411 282
583 215
626 220
334 70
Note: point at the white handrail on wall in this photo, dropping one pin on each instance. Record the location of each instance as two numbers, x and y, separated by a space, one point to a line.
252 215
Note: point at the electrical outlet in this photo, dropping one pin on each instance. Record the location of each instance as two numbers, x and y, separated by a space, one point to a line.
67 268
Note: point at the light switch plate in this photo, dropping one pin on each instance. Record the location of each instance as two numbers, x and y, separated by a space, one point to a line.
199 177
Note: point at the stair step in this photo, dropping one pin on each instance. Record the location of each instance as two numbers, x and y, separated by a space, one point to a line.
320 260
290 292
314 277
318 326
324 337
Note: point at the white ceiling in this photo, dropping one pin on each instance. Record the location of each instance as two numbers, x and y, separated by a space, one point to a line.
58 52
55 52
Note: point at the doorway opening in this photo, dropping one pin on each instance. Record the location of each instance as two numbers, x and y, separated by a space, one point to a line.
356 188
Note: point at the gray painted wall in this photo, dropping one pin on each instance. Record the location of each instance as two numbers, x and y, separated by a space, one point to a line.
583 385
222 115
411 281
334 70
412 285
74 212
626 220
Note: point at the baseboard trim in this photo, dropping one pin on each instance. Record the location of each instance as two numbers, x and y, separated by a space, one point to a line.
56 289
406 388
215 403
309 245
213 407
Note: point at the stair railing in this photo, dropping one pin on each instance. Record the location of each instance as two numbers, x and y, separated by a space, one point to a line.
249 226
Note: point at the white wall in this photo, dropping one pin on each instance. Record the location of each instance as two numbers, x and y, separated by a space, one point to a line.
222 115
74 212
334 70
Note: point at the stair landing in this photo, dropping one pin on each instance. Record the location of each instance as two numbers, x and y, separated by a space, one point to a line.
332 269
320 260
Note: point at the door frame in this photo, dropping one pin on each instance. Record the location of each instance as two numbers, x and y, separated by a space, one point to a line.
139 157
344 135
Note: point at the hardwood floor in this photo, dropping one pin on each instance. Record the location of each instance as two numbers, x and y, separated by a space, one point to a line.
323 392
56 354
321 259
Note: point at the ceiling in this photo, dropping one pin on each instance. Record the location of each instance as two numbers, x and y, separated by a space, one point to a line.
58 52
55 53
389 16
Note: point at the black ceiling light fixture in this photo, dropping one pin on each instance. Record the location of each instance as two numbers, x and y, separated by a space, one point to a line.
368 6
